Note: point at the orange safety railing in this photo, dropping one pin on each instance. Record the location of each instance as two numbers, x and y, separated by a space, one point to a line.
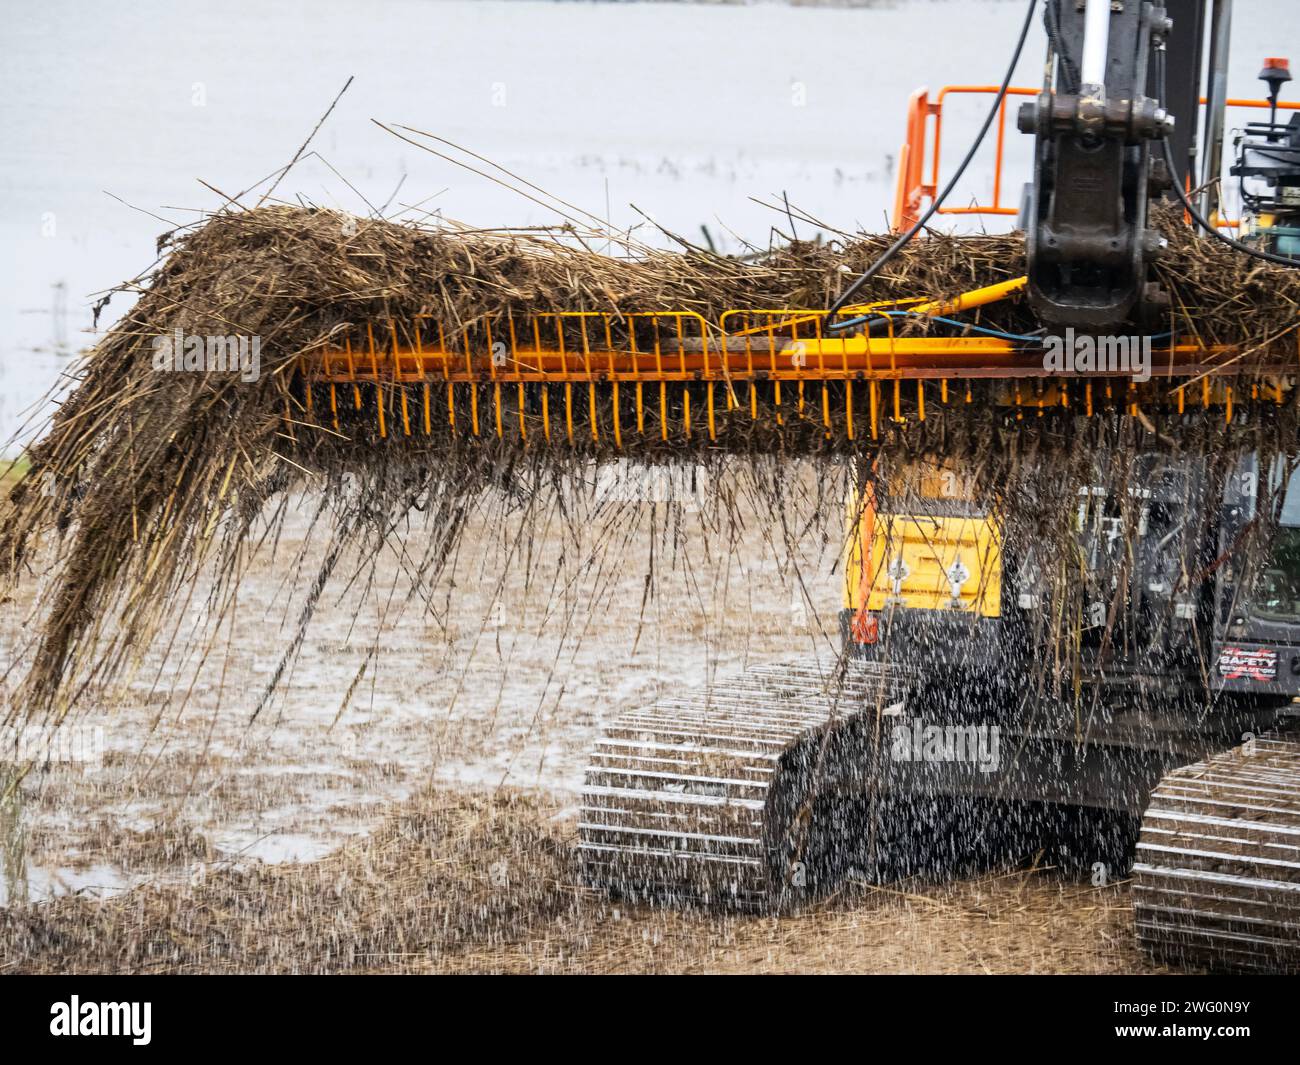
918 161
913 187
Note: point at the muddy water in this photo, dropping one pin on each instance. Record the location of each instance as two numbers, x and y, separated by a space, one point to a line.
501 679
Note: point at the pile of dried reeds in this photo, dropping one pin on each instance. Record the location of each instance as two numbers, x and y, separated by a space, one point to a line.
469 883
145 478
443 874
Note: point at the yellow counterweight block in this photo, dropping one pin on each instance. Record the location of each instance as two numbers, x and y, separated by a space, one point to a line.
938 551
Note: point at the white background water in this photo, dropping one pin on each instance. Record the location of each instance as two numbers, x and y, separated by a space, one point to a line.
685 110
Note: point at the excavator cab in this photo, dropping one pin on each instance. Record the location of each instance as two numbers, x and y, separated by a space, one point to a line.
1257 649
933 577
1277 594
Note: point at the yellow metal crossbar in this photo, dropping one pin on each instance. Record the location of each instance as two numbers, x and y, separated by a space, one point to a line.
675 346
672 373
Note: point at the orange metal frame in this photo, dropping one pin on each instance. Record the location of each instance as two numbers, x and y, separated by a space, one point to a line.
747 345
801 373
915 187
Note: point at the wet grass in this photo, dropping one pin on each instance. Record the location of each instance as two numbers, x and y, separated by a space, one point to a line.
457 881
12 471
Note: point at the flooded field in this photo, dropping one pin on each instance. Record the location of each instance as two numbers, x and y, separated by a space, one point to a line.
419 771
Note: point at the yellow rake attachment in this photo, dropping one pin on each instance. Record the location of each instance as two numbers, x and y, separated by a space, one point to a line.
603 375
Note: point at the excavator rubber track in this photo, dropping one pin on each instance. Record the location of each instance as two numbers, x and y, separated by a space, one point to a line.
692 799
1217 876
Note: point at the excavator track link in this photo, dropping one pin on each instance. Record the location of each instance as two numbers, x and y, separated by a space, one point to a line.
689 800
1217 876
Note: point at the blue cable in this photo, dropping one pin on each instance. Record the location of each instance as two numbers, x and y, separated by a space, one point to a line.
1020 337
967 325
935 318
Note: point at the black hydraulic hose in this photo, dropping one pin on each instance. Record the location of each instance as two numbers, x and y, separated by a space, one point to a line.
1052 23
906 238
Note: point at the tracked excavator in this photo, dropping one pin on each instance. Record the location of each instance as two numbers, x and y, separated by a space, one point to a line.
1171 748
767 786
